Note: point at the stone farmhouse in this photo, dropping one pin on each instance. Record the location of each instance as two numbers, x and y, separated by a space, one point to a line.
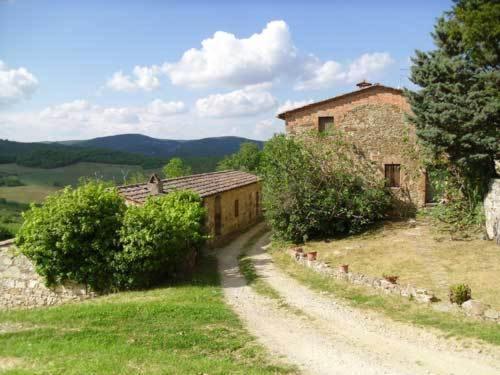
232 198
374 119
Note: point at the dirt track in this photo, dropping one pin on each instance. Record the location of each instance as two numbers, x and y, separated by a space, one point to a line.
329 337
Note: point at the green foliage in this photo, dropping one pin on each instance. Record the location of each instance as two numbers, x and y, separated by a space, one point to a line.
459 293
319 185
247 159
45 155
457 109
5 233
10 180
11 217
158 237
176 168
74 235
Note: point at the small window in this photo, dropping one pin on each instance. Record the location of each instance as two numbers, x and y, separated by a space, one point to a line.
236 208
392 175
325 123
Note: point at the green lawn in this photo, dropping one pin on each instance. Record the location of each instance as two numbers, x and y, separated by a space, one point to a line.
184 329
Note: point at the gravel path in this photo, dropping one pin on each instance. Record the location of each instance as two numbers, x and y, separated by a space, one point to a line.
332 338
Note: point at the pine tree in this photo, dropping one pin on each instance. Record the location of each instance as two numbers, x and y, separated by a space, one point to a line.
457 109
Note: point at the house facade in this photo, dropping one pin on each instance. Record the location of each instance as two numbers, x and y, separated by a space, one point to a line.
232 198
374 119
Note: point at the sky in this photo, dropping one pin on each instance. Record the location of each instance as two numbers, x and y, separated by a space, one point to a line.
193 69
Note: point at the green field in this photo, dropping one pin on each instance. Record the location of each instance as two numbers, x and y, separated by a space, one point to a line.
38 183
183 329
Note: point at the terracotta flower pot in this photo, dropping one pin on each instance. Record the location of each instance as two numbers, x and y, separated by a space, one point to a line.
393 279
344 268
312 255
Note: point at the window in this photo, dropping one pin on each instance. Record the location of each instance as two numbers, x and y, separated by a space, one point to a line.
250 205
236 208
392 175
325 123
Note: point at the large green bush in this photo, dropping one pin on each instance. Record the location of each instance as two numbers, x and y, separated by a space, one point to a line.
319 185
74 235
158 238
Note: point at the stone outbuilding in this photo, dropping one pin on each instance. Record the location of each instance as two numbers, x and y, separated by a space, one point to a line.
232 198
374 117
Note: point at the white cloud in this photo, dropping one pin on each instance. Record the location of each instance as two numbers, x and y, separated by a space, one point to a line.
318 75
145 78
15 84
367 65
289 104
249 101
267 128
161 108
66 110
226 61
121 115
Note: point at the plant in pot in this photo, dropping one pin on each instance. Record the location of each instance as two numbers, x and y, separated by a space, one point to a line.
393 279
312 255
344 268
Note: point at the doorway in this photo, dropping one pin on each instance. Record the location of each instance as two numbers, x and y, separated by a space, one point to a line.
218 216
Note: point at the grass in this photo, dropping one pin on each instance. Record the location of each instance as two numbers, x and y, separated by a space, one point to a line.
395 307
420 256
183 329
10 215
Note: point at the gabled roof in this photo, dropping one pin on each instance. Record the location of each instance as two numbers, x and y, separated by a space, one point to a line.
205 184
283 115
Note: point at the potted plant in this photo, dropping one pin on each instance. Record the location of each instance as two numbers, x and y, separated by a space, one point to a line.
393 279
312 255
344 268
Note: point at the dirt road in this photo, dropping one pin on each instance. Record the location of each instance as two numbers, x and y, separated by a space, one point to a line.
328 337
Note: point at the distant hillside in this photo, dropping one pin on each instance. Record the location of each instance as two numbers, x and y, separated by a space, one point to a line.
137 143
53 155
130 149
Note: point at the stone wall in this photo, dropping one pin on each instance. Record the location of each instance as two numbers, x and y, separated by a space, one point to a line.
492 210
472 308
21 286
375 120
248 211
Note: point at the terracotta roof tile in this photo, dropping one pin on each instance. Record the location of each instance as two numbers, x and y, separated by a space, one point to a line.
204 184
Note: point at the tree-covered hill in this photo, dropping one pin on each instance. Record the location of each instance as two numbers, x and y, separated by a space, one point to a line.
154 147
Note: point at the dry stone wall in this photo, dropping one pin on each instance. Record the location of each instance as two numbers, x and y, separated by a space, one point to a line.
21 286
472 308
492 210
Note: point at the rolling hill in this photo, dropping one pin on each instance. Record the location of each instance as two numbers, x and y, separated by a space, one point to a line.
166 148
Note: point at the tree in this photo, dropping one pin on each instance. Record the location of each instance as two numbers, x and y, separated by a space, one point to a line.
457 108
73 236
318 185
158 237
247 159
176 168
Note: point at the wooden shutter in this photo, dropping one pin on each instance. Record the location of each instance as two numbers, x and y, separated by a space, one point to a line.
393 175
325 123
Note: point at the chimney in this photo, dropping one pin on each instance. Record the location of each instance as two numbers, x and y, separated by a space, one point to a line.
363 84
155 185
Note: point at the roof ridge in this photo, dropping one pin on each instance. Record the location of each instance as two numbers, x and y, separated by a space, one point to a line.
375 85
200 174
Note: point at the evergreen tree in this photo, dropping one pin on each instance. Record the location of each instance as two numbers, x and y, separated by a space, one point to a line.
457 108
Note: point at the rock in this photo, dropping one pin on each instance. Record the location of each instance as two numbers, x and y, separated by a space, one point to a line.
475 308
492 314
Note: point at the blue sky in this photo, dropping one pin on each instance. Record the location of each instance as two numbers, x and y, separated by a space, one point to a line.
191 69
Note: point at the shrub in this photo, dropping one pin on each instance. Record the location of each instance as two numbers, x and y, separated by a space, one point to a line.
158 238
5 233
74 235
319 185
459 293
